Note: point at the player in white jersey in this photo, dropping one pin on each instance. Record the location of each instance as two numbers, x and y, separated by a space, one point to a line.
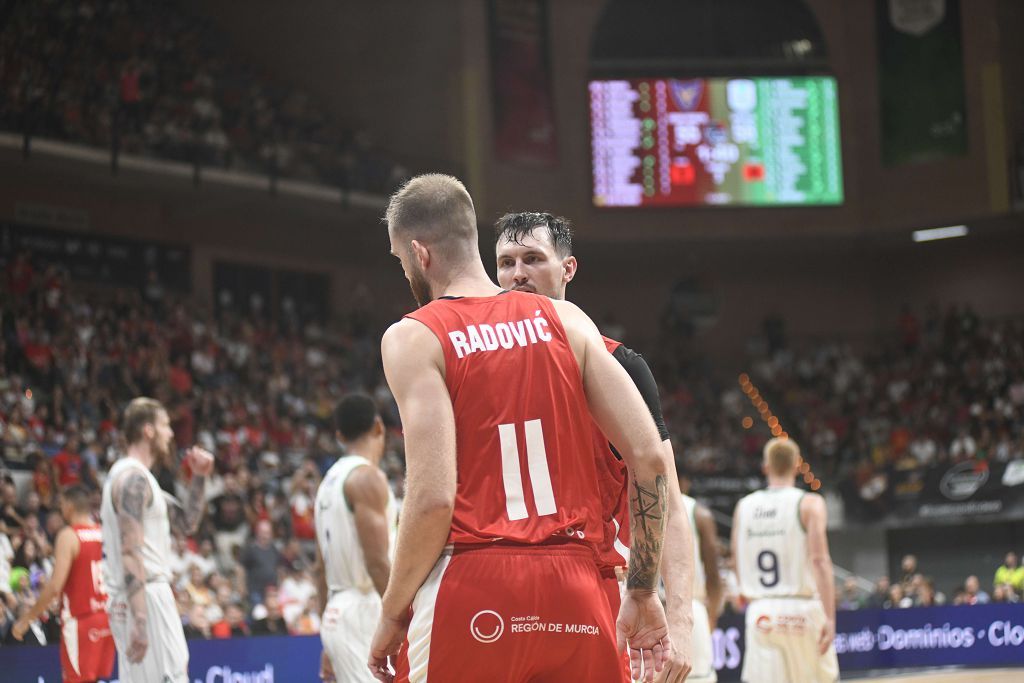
785 570
137 517
356 521
707 591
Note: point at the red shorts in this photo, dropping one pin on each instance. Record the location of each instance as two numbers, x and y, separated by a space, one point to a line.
510 615
86 648
613 593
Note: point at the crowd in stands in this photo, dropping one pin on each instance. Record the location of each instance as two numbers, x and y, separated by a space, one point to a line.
944 389
915 589
259 393
148 78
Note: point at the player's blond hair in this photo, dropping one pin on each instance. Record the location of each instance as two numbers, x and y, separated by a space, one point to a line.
781 455
140 412
434 209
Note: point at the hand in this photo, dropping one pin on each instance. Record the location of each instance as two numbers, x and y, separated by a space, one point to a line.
679 660
827 637
642 626
386 641
200 461
326 668
19 628
139 642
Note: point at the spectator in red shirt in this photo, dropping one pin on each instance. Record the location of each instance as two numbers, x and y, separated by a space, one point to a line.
180 378
71 469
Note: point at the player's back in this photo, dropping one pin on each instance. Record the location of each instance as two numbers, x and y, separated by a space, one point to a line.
771 557
84 592
526 467
344 561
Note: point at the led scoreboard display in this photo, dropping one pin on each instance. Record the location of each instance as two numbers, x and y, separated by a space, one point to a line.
716 141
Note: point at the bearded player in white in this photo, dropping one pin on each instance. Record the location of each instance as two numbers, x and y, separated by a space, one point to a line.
137 517
355 529
785 570
707 591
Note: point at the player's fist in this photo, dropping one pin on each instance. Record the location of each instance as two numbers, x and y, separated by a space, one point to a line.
200 461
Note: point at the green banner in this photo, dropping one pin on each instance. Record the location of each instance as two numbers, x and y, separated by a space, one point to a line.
921 80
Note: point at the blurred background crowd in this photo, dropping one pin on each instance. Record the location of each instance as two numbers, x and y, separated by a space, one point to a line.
260 395
148 78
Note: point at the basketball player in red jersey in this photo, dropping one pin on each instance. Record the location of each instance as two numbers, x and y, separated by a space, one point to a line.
534 254
86 646
495 553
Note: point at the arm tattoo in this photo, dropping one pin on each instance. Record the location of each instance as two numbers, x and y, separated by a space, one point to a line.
649 512
186 518
131 503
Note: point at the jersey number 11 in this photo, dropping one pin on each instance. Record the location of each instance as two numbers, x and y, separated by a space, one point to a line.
512 476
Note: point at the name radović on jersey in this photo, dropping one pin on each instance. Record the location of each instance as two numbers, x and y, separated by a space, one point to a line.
503 335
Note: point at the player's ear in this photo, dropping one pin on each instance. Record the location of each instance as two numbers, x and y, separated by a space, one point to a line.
378 426
569 267
421 254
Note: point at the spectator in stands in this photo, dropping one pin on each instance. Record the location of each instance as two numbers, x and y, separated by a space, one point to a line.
1003 594
973 593
908 568
234 625
229 520
204 559
850 599
897 599
1010 574
303 492
260 561
267 618
926 595
880 595
197 626
71 469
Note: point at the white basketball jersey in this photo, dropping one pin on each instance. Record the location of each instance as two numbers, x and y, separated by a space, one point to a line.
771 557
156 530
344 562
699 580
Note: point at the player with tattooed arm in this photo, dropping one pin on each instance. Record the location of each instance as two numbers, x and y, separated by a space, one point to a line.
498 392
137 517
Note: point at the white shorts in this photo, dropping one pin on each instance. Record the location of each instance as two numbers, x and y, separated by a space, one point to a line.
702 652
347 627
782 643
166 658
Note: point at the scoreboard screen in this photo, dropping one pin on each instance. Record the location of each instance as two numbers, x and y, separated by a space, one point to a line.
716 141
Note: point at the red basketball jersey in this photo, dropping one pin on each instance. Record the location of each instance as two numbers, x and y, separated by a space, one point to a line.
612 479
526 468
83 592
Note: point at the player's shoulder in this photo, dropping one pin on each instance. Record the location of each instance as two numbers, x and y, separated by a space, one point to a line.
67 538
367 483
809 500
408 336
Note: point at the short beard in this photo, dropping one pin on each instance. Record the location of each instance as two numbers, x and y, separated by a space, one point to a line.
161 453
420 288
